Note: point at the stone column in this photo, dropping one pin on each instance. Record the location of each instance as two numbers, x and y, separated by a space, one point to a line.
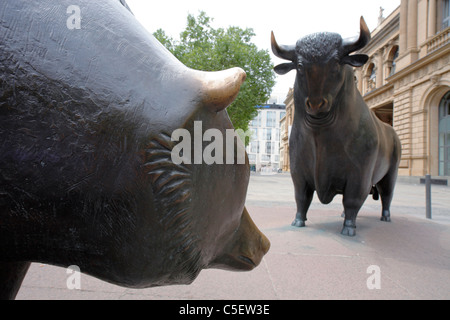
412 25
403 26
380 66
366 84
432 16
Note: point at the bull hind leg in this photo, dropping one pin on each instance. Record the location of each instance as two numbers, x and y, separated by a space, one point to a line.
386 190
303 199
11 277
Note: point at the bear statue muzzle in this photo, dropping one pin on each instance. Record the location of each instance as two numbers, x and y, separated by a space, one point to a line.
246 250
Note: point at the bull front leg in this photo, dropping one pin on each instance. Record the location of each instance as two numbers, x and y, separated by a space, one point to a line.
349 228
303 198
352 205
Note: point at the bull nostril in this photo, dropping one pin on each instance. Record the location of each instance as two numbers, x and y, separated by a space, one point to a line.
321 104
316 104
308 103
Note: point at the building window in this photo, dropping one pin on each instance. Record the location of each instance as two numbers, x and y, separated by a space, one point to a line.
257 121
255 134
372 79
444 136
271 119
394 61
446 15
265 158
268 134
254 147
269 147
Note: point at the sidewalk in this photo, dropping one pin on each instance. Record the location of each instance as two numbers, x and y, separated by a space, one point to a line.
406 259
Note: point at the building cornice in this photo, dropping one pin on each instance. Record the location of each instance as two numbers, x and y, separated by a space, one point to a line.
435 55
387 33
378 91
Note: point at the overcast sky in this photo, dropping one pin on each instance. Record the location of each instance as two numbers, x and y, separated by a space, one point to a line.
290 20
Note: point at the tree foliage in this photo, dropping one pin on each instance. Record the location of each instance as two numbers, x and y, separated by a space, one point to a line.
203 47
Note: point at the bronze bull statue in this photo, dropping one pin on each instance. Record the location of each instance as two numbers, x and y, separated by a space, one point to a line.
337 144
88 104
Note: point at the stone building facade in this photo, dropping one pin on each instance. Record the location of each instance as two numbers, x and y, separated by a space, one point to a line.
407 83
285 130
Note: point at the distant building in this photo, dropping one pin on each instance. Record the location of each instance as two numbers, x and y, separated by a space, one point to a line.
407 83
264 148
285 131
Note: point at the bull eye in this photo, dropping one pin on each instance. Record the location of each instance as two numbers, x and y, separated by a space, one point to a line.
300 68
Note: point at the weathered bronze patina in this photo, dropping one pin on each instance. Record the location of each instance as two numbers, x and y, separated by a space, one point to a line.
86 173
337 144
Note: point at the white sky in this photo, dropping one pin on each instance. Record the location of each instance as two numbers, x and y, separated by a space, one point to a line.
290 20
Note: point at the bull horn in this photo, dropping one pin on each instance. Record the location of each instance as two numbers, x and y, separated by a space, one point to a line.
220 88
350 46
281 51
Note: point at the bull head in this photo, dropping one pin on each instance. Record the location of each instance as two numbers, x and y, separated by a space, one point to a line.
320 61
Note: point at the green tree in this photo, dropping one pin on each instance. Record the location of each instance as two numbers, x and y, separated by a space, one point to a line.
202 47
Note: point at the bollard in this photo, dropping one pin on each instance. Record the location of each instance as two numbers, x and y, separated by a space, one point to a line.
428 195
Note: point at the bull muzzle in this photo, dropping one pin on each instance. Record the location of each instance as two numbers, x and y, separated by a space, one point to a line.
316 106
246 250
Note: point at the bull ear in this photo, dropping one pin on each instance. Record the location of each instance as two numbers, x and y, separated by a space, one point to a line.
356 60
284 68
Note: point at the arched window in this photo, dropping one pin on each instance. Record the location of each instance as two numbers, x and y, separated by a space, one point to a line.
444 135
371 78
394 57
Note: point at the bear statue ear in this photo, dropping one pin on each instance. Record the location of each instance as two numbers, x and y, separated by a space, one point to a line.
356 60
284 68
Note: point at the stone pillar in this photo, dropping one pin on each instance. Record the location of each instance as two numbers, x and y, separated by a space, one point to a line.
380 66
412 25
366 84
432 16
403 26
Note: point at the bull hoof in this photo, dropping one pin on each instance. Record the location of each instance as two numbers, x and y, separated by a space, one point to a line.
349 228
386 216
298 223
349 231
